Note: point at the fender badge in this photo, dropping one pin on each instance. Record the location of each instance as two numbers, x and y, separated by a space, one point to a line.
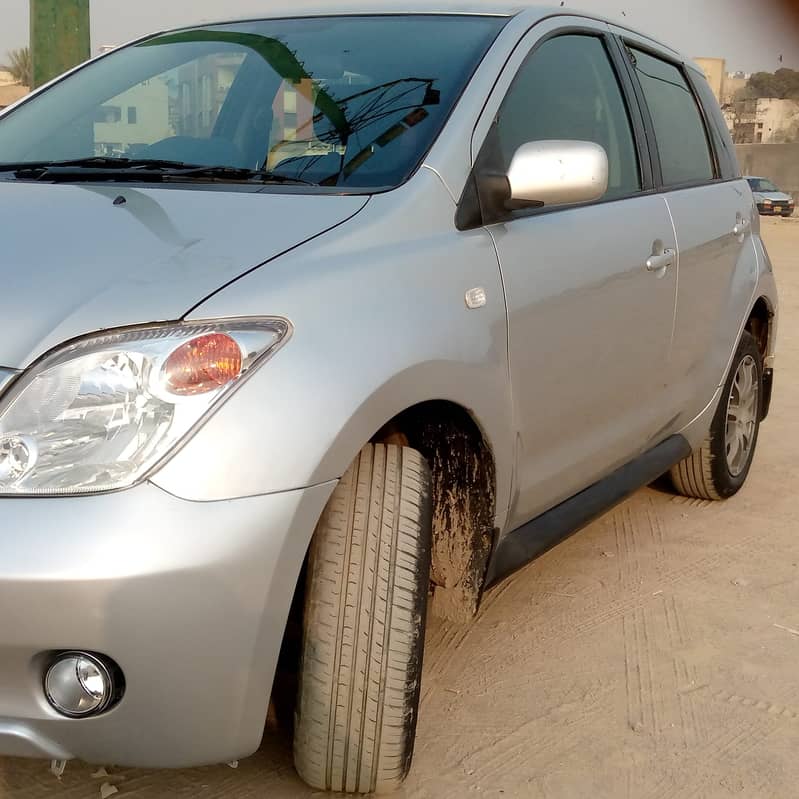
476 298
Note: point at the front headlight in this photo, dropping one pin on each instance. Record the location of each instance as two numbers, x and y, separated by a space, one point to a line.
100 413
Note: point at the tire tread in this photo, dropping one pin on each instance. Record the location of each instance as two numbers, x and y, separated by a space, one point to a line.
364 625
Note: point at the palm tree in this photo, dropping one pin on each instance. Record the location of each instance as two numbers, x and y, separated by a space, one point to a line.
20 67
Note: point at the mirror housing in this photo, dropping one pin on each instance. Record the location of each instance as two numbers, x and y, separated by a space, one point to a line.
557 173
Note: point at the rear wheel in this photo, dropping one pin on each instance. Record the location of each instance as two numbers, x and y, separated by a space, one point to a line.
363 628
718 469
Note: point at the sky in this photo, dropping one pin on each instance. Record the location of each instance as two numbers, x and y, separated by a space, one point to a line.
749 34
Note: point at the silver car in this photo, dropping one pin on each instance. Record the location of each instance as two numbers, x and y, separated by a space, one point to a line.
769 199
307 318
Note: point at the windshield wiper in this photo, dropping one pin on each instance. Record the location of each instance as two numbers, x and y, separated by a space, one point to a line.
239 173
94 162
142 169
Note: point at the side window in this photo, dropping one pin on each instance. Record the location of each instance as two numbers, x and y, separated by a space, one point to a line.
679 128
568 89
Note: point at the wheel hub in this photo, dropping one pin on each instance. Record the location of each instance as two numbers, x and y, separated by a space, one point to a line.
742 411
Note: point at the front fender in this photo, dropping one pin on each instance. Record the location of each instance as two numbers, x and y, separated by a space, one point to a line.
380 324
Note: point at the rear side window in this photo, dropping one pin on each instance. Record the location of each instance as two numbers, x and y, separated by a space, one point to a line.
682 140
567 89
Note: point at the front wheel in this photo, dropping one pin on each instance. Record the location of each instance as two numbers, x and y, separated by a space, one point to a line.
718 469
363 627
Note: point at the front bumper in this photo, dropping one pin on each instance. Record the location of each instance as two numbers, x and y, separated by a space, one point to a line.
190 599
786 209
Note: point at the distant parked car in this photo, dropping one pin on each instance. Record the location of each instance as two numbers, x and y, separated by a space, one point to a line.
770 200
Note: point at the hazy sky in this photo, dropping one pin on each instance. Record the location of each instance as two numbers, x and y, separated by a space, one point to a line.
750 34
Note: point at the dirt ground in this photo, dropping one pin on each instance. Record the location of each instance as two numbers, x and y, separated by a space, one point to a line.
653 655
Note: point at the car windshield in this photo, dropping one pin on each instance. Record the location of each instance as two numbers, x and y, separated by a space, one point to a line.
352 102
760 184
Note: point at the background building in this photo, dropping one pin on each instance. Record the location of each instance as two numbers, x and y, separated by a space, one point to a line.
776 121
766 120
137 117
202 87
715 70
751 119
725 85
734 82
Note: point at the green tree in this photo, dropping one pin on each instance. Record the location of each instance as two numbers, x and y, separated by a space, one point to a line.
782 84
19 65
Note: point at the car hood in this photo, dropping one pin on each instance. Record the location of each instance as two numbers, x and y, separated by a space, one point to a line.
774 196
80 258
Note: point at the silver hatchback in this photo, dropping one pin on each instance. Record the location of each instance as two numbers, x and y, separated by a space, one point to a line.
308 318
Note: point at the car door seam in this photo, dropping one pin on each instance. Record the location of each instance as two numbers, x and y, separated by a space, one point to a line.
677 280
508 374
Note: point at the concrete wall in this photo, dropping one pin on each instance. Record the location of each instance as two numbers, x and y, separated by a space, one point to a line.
777 162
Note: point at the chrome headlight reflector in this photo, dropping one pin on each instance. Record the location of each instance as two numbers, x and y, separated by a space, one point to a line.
102 412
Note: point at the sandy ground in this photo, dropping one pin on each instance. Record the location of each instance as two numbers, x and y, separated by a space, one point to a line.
653 655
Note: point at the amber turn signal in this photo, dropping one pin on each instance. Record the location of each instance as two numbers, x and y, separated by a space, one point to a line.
203 364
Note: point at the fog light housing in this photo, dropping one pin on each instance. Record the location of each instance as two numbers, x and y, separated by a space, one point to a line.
79 685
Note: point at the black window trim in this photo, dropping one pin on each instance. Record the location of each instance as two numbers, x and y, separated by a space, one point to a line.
644 132
468 221
635 111
628 44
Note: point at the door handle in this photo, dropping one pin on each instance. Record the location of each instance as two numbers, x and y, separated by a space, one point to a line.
657 263
741 227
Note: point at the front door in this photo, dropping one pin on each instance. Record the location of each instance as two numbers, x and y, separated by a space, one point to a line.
590 294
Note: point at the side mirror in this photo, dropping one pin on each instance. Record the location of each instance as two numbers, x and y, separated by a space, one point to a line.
557 173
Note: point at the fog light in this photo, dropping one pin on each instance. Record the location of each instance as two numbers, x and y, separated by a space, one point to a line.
78 685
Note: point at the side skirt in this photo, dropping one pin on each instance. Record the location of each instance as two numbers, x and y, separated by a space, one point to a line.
534 538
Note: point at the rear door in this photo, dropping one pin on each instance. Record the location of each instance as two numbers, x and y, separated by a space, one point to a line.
712 209
589 324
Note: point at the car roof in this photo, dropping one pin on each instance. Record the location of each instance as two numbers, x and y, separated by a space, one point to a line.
532 12
321 8
336 8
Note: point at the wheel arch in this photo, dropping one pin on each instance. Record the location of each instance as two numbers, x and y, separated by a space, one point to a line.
761 324
463 469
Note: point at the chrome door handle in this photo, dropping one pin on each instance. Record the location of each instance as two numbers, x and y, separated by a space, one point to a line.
741 227
657 263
